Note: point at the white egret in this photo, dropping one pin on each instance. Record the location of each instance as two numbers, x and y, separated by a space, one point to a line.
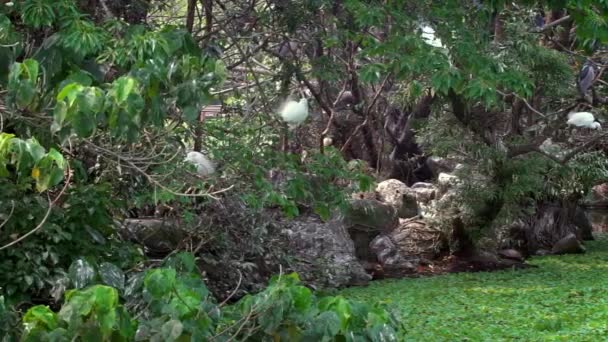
204 166
428 34
294 113
583 119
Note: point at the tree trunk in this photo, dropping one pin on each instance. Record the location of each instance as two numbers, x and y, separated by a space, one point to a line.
552 222
408 161
190 15
581 221
463 245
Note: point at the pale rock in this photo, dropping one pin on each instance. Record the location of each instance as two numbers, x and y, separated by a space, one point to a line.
400 196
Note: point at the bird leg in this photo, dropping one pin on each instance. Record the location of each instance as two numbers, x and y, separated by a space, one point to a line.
285 139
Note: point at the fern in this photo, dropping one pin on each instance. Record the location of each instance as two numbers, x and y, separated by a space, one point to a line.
38 13
82 37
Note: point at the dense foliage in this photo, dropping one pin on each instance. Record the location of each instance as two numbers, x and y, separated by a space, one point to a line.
175 305
99 100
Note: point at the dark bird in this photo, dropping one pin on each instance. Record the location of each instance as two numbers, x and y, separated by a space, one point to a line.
346 100
287 49
586 78
539 20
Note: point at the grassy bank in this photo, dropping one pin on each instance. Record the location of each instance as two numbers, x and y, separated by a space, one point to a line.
564 299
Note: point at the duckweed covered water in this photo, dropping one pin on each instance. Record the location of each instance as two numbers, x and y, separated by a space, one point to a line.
564 299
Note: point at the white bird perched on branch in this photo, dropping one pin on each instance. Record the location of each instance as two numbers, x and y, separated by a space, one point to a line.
583 119
428 34
204 166
294 113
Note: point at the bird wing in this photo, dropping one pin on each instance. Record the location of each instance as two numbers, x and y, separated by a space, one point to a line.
584 72
585 78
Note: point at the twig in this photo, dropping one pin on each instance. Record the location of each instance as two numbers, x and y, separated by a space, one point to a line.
150 178
523 100
330 121
559 21
238 285
46 215
367 112
9 214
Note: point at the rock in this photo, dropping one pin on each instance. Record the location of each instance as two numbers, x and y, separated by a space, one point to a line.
408 244
512 235
370 195
414 237
568 244
385 250
400 196
422 185
542 252
425 192
511 254
426 195
446 181
328 252
158 236
361 240
374 269
370 215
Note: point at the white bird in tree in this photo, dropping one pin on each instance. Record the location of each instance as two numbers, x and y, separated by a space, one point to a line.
583 119
204 166
428 35
294 113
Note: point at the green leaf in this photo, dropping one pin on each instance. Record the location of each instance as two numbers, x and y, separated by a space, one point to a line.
25 94
59 114
41 316
84 124
302 297
172 330
35 150
30 66
183 262
112 275
124 86
70 91
327 324
159 282
81 273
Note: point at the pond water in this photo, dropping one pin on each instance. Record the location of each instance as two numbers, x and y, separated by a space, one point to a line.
599 219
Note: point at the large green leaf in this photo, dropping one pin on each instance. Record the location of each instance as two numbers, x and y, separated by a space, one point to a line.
124 86
30 69
160 281
59 115
41 315
25 94
70 91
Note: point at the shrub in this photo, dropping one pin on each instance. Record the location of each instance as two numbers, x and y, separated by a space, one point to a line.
172 303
